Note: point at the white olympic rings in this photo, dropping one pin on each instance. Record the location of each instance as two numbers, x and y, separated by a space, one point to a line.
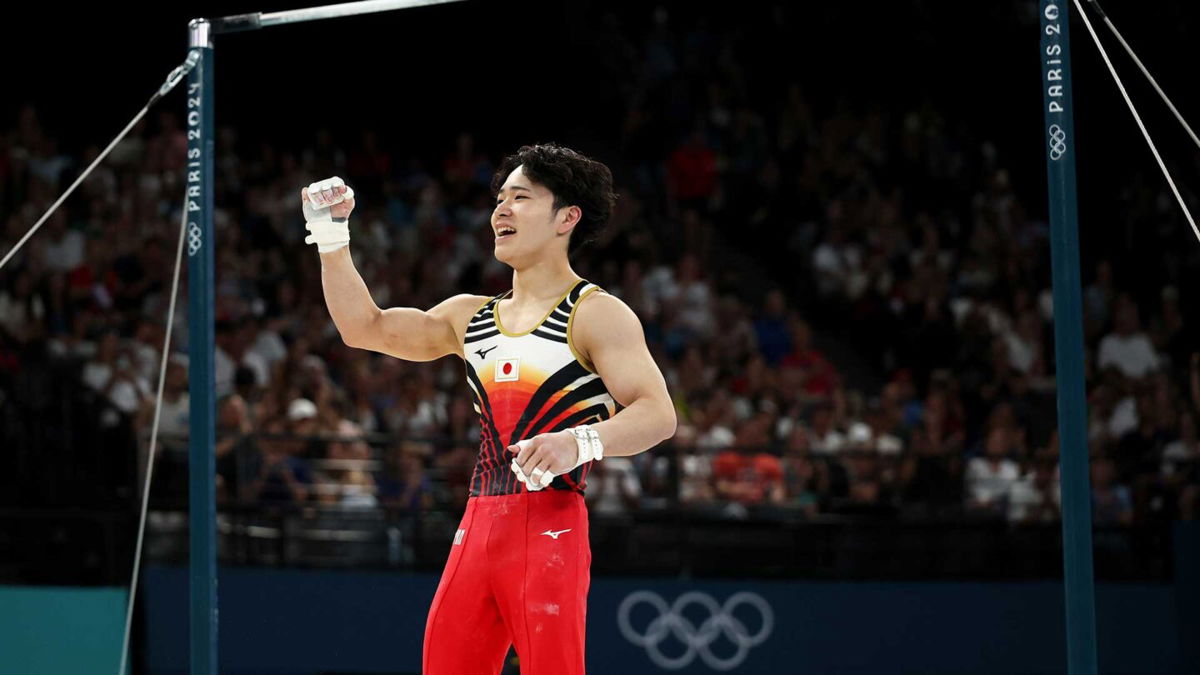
697 639
194 240
1058 142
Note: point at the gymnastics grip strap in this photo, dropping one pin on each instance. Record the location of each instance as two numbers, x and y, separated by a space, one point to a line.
327 232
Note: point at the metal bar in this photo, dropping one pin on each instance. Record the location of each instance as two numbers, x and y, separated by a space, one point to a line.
201 373
1068 338
254 21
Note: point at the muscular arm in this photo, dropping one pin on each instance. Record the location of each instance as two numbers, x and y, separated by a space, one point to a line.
610 335
403 332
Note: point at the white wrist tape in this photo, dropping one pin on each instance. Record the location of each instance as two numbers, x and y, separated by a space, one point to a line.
327 232
588 442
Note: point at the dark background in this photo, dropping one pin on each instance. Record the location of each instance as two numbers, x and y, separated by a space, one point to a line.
518 72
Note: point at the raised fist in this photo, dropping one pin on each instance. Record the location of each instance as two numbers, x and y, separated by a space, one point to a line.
332 194
327 205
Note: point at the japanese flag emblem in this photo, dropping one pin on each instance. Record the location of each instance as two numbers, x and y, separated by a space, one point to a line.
508 370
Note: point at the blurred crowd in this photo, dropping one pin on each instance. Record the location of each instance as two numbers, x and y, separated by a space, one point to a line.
851 306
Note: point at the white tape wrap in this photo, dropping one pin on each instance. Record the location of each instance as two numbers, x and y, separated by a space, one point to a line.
327 232
588 442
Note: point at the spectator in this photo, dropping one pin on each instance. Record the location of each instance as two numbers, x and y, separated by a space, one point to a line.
990 478
774 340
281 478
1183 450
1036 497
804 481
1127 348
112 373
233 444
613 487
406 485
1111 501
748 478
823 438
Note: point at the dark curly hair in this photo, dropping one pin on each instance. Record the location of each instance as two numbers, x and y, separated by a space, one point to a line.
573 179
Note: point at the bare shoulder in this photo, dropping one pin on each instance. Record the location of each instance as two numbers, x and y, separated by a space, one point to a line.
601 317
600 306
457 311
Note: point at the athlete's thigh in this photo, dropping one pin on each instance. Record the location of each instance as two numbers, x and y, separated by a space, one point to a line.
544 602
464 634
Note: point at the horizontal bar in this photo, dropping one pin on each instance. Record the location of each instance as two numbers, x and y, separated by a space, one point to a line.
242 22
343 9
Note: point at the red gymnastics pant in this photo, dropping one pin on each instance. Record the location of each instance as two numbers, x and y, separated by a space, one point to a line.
518 574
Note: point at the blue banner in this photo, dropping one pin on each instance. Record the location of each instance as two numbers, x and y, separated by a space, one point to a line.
307 622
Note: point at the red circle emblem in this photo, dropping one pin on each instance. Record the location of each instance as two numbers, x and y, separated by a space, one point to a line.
507 369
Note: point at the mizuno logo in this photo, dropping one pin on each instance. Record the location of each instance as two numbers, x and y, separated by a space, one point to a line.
554 535
483 352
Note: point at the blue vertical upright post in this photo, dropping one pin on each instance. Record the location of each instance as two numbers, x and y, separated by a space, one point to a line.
1068 338
201 375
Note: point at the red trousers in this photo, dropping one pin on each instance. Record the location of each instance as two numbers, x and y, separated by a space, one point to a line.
518 574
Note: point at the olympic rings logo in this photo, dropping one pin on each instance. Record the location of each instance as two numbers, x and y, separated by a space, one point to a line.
193 239
697 640
1058 142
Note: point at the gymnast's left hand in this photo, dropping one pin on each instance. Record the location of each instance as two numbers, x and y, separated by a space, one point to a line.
539 459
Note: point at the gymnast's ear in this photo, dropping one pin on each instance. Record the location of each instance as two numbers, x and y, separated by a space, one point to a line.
566 218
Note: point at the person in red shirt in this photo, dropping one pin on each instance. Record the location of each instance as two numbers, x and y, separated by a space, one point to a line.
749 478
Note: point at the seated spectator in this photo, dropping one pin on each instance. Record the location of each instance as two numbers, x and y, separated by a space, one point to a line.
774 340
357 490
823 438
866 492
817 376
457 465
405 484
1127 348
1183 450
1036 496
990 478
112 372
684 477
233 444
1111 501
22 309
881 427
713 417
280 477
804 479
173 417
348 443
748 478
613 487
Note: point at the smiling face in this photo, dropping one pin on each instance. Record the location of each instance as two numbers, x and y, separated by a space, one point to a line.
526 224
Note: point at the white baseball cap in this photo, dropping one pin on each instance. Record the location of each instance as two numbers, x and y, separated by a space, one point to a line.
301 409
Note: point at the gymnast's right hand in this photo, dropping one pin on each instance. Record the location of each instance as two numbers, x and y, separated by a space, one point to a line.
327 205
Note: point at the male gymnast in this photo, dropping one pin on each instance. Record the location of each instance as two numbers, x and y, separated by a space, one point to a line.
560 376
